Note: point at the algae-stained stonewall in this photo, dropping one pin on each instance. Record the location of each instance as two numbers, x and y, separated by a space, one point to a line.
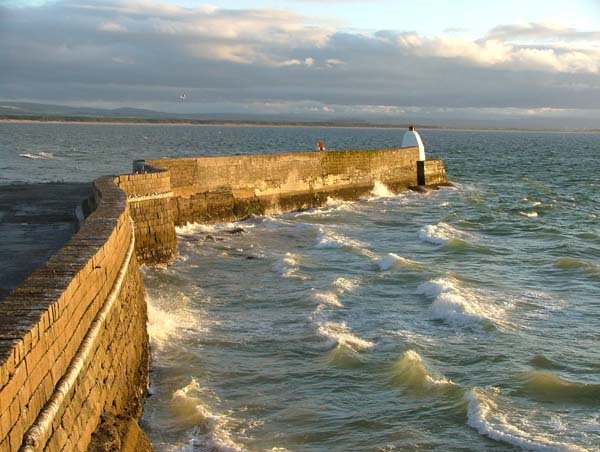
73 339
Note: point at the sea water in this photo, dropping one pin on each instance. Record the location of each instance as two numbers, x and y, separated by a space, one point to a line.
463 319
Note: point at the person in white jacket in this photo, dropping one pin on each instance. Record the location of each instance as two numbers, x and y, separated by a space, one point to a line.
413 139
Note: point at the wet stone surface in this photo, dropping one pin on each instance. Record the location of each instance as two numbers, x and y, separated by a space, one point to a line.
36 220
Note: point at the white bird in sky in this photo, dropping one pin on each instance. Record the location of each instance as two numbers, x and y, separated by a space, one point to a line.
182 97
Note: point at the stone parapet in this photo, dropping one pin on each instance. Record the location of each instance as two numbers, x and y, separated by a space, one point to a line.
73 341
227 188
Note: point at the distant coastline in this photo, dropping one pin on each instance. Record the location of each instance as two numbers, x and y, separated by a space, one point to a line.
49 119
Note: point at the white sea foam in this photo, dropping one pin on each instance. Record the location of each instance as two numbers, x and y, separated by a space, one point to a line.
190 229
334 333
343 285
170 317
412 337
38 155
440 233
338 204
338 334
485 415
531 214
331 205
328 239
380 190
188 404
391 260
455 303
328 298
287 266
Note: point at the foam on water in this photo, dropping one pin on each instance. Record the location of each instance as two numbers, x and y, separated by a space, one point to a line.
170 317
328 239
191 229
343 285
37 155
485 415
338 334
328 298
392 260
440 233
380 190
287 266
410 370
457 304
336 204
213 433
529 214
412 338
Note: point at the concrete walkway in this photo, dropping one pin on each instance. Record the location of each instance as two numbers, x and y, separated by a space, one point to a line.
36 220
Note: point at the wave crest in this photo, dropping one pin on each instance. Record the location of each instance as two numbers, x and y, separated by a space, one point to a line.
37 155
457 304
410 370
380 190
338 335
486 416
440 234
544 385
191 410
392 260
287 267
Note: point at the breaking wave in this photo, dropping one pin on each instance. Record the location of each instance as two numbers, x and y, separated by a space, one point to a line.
287 267
170 317
455 303
212 429
37 155
337 334
191 229
410 370
380 190
392 260
440 234
530 214
485 415
343 285
327 239
328 298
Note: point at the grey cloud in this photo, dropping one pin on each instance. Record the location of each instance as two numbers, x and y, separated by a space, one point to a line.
143 52
541 31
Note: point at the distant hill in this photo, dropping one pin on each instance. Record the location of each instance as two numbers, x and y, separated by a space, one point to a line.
50 112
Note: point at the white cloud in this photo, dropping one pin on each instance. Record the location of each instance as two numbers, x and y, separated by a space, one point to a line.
496 52
111 27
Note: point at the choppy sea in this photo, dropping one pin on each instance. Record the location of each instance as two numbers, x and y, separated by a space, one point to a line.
464 319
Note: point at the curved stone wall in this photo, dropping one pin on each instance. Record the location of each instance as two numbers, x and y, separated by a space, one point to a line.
73 340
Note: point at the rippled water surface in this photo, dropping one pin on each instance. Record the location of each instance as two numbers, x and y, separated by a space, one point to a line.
466 319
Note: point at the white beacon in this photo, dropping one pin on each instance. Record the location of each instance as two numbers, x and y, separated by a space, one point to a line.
412 139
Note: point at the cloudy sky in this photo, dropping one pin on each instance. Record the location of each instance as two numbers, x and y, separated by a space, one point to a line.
369 59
